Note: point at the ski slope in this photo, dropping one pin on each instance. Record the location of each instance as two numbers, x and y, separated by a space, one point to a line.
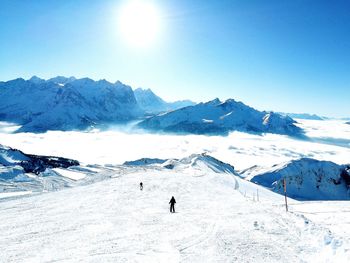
218 219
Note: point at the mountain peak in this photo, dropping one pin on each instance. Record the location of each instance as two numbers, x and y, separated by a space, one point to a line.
145 91
213 102
36 79
62 79
230 101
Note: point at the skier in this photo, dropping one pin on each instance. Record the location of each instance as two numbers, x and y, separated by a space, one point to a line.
172 204
141 186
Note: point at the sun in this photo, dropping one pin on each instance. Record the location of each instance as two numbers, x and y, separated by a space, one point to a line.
139 23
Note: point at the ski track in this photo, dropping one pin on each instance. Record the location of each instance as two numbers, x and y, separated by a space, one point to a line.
113 221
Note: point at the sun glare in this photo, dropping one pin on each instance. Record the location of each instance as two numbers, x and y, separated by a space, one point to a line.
139 23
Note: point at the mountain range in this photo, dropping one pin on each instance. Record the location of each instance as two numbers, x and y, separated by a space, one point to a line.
304 116
63 103
219 118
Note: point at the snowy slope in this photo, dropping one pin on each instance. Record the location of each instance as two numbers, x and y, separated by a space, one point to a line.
216 117
113 221
65 103
151 103
306 178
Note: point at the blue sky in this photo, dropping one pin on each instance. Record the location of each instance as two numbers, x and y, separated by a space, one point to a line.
291 56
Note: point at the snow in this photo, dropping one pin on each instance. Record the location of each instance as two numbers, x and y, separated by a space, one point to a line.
14 194
207 121
113 221
7 127
10 172
333 215
220 217
70 174
11 157
20 172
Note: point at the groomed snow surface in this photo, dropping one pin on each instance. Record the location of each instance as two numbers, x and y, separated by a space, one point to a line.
218 219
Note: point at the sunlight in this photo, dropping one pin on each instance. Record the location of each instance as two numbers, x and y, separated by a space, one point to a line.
139 23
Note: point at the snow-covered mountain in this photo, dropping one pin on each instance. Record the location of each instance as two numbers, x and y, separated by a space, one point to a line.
32 163
304 116
151 103
201 162
20 172
65 103
216 117
306 178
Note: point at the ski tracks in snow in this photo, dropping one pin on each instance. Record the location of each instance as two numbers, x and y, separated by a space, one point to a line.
113 221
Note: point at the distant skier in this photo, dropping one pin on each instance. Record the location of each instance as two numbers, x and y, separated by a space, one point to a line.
172 205
141 186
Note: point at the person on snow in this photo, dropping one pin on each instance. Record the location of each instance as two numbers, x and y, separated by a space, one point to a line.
141 186
172 205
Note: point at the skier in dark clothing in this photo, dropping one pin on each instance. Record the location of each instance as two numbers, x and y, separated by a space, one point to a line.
172 205
141 186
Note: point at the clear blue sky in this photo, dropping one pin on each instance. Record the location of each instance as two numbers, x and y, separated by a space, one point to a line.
291 56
